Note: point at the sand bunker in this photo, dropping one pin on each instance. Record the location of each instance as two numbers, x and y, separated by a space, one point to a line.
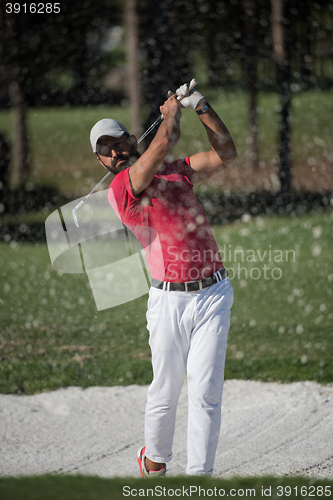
267 429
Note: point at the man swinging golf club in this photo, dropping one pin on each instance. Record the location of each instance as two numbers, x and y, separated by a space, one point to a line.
190 298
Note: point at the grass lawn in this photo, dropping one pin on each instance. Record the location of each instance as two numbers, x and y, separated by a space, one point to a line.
52 335
93 488
62 153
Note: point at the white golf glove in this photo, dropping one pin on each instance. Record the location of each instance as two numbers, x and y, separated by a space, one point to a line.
192 100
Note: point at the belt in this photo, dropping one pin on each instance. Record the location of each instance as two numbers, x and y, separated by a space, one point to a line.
191 286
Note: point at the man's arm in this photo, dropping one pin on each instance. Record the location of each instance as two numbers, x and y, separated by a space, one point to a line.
205 164
223 152
144 169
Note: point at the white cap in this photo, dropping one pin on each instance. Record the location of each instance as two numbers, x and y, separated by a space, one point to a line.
107 126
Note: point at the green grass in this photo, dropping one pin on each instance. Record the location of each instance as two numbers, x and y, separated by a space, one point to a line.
62 154
282 320
93 488
52 336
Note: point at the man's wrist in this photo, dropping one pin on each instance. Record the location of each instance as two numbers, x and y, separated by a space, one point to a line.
201 103
203 109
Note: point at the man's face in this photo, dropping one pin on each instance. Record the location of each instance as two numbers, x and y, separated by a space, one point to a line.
117 153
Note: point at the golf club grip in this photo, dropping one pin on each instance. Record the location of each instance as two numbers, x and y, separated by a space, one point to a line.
193 84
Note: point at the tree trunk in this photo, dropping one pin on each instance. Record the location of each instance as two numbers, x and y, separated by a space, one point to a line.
21 163
10 73
250 8
283 79
4 163
133 66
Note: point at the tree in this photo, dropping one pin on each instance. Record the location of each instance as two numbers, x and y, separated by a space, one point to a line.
4 163
12 76
250 53
21 159
133 65
282 58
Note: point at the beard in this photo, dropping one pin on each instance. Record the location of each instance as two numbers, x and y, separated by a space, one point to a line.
127 159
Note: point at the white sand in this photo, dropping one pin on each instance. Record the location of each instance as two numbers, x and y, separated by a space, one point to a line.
267 428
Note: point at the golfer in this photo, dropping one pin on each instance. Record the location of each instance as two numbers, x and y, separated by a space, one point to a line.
188 315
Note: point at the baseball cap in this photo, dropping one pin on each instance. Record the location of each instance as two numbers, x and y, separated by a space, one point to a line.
107 126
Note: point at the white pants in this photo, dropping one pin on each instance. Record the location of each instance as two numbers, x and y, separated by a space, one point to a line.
188 333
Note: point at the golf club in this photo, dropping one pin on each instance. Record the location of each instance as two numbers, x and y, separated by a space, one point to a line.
192 84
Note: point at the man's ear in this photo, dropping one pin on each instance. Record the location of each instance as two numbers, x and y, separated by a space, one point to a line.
133 141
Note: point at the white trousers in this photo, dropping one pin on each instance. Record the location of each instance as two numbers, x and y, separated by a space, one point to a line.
188 334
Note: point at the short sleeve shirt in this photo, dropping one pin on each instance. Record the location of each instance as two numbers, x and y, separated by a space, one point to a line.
169 223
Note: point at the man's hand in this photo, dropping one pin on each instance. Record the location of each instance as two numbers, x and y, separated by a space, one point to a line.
193 99
171 105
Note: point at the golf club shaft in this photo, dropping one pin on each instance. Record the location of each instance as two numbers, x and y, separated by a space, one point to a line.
156 122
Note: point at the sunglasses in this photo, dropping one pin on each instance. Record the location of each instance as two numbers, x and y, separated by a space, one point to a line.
104 150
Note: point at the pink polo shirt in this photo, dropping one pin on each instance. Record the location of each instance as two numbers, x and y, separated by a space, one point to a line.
169 223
